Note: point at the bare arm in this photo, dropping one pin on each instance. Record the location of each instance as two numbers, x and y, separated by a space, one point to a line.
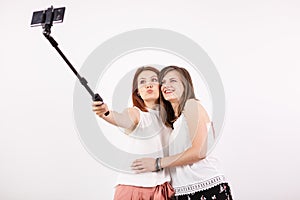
128 119
197 119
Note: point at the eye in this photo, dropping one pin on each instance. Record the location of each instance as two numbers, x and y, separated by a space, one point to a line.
163 82
142 81
154 79
173 80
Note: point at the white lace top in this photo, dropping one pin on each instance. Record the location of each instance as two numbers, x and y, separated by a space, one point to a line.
198 176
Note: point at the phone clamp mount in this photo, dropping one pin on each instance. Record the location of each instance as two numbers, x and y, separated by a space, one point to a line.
46 18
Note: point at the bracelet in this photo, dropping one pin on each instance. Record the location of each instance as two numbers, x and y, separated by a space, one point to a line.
158 164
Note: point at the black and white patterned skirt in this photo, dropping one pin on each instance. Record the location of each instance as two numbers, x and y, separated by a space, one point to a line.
219 192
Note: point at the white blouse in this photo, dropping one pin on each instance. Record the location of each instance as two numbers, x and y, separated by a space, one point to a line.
195 177
150 138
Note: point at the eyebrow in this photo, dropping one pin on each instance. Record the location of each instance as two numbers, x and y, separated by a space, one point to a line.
164 79
172 78
150 77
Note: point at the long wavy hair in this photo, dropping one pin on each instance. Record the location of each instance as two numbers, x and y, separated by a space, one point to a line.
167 113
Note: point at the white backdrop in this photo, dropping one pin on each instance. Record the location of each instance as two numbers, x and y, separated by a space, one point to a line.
255 46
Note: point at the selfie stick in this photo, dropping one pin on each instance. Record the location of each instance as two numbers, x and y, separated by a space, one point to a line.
48 17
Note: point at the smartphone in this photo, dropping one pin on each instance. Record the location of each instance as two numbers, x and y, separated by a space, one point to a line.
44 16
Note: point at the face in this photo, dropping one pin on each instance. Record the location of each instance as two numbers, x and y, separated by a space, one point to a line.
148 87
172 87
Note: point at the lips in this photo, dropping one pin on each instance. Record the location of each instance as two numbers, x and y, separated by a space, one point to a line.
149 91
168 91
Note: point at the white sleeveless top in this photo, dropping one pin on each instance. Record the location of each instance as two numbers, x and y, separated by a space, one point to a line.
147 140
195 177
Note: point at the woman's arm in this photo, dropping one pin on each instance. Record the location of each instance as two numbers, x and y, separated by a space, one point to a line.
128 119
196 118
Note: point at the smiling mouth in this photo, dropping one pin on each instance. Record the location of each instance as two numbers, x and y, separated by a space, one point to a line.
168 91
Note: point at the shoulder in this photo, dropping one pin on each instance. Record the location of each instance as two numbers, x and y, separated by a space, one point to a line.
134 113
133 110
193 107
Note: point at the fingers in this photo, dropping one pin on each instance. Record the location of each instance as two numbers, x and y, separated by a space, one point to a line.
136 163
97 103
99 107
138 167
140 171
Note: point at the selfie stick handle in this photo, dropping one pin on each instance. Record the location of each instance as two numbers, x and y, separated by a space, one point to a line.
83 81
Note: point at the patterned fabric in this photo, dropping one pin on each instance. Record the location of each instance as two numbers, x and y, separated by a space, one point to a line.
201 186
219 192
128 192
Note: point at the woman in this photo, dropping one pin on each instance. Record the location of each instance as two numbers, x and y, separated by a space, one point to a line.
194 175
141 121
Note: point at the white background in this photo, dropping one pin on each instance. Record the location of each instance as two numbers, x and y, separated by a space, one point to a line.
255 46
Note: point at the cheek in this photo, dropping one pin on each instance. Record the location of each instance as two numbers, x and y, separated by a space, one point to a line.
140 88
156 88
180 90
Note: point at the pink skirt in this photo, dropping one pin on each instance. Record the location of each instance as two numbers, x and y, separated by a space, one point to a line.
128 192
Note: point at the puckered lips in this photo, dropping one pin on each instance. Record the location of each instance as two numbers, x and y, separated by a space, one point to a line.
149 91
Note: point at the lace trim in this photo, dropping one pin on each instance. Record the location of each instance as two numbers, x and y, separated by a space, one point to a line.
196 187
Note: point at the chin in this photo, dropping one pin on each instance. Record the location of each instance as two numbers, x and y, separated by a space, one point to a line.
151 99
171 100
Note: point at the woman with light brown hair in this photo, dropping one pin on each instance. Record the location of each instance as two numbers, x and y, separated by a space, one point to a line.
194 174
141 120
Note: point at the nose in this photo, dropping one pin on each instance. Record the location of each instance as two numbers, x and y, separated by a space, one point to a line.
163 87
165 84
149 85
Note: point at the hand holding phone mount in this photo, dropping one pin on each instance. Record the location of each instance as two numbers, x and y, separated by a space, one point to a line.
46 18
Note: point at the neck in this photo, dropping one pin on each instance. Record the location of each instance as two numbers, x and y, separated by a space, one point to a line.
175 106
151 104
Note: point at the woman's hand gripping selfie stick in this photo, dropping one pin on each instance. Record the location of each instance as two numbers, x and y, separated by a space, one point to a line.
46 18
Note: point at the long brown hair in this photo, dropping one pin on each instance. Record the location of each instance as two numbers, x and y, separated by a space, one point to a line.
136 98
167 112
